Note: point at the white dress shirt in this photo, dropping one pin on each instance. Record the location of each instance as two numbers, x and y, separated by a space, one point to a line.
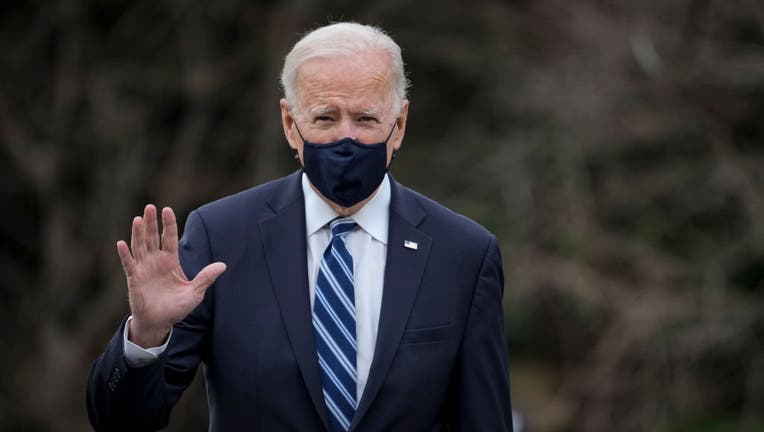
367 243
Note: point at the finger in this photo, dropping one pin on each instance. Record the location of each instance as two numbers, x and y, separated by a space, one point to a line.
169 231
207 276
152 227
137 242
128 263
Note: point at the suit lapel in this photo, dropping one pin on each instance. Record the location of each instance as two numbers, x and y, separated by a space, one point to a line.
403 275
285 249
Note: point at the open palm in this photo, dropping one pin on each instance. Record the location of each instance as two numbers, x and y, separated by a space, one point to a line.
160 294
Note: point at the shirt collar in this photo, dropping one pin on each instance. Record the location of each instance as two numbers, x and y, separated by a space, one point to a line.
374 217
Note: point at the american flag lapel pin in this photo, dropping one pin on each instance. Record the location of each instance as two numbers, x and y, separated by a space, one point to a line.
410 244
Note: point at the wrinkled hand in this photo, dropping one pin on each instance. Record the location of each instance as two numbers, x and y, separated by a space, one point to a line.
160 294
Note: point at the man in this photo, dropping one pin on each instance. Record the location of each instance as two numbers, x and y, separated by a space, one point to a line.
333 299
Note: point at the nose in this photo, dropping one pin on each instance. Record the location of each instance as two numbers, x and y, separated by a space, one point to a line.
347 129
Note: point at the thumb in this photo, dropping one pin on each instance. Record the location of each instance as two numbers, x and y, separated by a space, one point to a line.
208 275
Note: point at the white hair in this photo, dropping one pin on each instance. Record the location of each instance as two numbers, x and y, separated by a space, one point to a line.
341 39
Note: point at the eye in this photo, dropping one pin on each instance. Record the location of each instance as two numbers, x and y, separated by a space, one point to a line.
324 118
366 119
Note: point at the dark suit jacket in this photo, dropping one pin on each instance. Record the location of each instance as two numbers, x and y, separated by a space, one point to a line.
440 361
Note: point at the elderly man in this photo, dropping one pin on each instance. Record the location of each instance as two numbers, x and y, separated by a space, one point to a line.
332 299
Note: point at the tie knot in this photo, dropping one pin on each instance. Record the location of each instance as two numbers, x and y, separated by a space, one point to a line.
341 226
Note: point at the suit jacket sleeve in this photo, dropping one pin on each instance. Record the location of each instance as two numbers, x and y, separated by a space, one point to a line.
482 375
120 397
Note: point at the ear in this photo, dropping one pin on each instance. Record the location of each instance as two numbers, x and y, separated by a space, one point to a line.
287 122
397 138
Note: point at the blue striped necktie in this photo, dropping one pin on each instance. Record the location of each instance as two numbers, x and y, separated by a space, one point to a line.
334 327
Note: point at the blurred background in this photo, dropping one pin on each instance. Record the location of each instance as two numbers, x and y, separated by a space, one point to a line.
616 149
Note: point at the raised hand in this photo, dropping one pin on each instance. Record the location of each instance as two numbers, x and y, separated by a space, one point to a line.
160 294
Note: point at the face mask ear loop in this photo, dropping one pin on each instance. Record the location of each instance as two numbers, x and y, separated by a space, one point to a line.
388 135
296 153
392 158
298 132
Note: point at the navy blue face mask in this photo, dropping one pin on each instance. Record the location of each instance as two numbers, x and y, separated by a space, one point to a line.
346 172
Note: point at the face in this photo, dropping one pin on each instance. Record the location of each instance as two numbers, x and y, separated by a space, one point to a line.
345 97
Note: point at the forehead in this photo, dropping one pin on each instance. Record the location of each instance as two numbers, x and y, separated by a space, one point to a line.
364 79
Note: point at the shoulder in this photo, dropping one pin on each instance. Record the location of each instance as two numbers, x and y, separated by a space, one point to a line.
230 224
252 204
458 245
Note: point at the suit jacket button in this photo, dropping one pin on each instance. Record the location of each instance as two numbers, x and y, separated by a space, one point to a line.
113 380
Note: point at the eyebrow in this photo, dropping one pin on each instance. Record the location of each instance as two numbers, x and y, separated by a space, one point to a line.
321 110
369 112
324 110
